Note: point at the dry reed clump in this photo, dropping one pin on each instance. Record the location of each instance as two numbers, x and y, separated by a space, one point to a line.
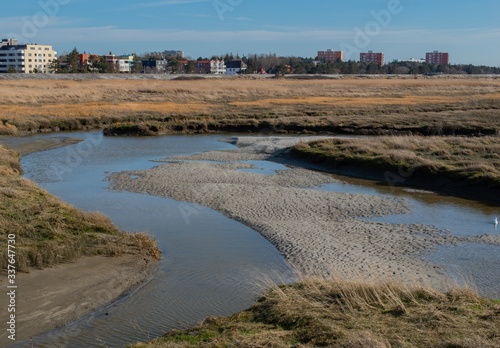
347 313
10 161
50 232
469 160
8 129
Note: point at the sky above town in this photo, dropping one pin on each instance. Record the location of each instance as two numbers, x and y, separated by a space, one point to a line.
401 29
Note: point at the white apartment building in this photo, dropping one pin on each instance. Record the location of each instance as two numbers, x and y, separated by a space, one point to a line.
411 60
26 59
217 67
123 65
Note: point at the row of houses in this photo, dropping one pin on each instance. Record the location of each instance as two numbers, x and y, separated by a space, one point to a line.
124 64
121 64
436 57
212 66
34 58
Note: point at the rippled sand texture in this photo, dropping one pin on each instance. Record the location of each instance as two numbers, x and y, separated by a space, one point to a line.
318 232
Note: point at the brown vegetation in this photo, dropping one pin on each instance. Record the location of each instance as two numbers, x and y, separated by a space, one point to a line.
48 231
473 161
357 106
341 313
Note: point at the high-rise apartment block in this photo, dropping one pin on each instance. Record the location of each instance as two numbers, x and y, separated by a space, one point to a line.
330 56
26 59
371 57
437 58
10 42
174 54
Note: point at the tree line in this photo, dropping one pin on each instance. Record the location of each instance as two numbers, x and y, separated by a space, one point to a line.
264 63
296 65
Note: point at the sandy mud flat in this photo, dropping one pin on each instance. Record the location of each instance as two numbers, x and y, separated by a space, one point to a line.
25 146
51 298
318 232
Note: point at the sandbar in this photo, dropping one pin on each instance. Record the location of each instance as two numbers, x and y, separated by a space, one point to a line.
318 232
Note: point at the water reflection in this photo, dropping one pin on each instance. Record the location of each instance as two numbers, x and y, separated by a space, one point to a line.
211 266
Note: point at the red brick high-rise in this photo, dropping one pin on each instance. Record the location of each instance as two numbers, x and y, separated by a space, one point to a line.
437 58
330 56
371 57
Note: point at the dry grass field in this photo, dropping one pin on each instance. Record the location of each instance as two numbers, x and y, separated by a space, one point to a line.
353 105
350 314
50 232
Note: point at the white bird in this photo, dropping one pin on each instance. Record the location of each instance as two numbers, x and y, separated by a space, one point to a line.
495 222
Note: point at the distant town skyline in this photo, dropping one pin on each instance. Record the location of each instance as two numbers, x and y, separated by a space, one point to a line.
401 29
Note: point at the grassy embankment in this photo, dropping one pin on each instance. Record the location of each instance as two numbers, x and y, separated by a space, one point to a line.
435 106
48 231
341 313
473 161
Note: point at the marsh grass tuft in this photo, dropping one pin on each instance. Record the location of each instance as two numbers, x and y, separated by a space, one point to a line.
345 313
50 232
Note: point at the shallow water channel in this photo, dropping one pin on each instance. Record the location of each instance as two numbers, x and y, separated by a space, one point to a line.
211 265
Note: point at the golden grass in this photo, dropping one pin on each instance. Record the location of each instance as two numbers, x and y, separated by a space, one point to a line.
41 92
100 109
37 93
31 105
475 161
342 313
48 231
358 101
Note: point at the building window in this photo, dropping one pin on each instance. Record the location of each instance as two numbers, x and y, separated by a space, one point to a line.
32 48
46 48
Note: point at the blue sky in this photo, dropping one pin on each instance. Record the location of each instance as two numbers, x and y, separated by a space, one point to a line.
469 31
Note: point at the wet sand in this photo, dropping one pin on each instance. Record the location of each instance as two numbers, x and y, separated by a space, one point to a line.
318 232
52 298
